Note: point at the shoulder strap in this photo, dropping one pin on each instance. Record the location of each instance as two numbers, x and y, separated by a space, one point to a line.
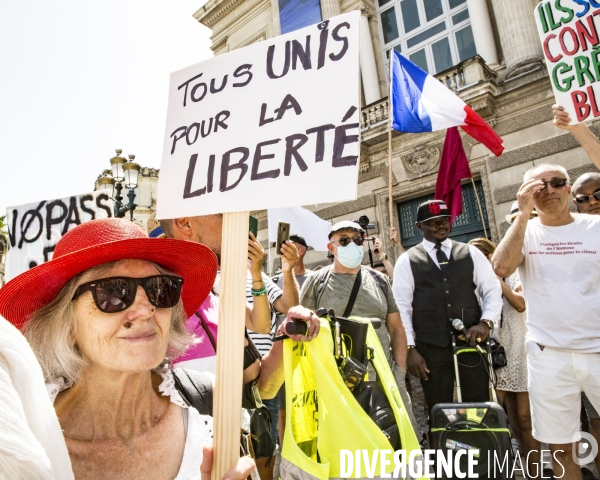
207 330
323 277
195 388
380 281
353 294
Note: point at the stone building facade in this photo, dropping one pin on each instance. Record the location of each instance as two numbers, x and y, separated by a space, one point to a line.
487 51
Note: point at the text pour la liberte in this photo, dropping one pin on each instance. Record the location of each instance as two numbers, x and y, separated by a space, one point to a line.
572 48
330 46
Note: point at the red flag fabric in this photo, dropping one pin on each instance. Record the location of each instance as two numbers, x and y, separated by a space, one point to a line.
478 128
454 166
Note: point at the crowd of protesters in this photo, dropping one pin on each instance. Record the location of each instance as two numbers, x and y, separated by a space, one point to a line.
120 323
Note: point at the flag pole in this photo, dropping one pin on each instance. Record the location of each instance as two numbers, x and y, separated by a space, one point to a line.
480 209
390 173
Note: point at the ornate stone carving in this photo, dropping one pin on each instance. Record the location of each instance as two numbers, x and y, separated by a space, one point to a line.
422 161
149 172
365 161
365 9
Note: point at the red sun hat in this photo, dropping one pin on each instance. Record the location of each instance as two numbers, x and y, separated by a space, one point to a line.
101 241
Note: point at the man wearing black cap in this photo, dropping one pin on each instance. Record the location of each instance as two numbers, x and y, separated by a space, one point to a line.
434 283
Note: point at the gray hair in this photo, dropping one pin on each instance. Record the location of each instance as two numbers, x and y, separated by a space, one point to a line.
586 177
51 330
547 166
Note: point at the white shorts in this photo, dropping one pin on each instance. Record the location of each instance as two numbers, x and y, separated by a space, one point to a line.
556 380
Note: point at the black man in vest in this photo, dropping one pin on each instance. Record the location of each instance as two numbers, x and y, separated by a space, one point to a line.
435 282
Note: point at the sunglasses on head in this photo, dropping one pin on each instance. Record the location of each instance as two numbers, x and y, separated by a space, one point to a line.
555 182
583 198
116 294
345 241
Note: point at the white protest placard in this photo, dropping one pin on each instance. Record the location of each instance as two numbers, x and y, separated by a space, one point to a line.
275 123
569 31
34 229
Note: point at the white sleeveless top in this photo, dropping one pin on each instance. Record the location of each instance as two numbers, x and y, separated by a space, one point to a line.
198 428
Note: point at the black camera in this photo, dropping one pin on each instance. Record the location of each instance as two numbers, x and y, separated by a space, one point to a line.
363 221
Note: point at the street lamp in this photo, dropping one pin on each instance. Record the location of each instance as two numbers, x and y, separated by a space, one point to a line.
122 171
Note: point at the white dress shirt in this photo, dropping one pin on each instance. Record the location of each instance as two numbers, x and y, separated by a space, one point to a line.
487 285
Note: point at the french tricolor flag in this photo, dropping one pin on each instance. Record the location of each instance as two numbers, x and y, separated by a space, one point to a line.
420 103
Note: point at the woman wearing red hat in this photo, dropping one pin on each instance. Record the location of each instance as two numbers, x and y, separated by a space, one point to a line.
104 317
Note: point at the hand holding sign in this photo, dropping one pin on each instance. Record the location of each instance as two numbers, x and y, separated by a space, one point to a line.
274 123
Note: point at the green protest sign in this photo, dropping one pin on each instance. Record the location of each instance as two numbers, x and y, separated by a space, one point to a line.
569 33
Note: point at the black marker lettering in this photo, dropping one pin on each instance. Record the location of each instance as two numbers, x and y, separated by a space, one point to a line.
47 251
103 206
302 54
322 45
193 92
187 134
287 103
320 131
85 208
12 232
240 71
220 120
262 121
223 84
187 193
339 38
258 156
226 167
176 139
51 220
72 215
286 63
349 113
291 150
186 87
206 133
342 139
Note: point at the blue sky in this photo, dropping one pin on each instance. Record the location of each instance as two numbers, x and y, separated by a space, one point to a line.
79 79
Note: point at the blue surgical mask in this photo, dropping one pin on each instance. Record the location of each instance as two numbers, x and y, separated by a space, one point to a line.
351 255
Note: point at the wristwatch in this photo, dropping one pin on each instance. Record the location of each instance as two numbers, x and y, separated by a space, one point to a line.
384 257
489 323
411 347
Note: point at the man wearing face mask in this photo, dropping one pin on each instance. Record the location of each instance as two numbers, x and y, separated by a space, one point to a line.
332 288
434 283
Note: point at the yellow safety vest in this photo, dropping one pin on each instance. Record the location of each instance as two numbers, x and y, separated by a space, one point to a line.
322 415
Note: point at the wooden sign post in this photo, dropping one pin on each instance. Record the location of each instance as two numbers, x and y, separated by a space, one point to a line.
276 123
232 313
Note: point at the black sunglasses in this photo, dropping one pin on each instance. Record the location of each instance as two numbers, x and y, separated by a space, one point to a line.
345 241
555 182
116 294
583 198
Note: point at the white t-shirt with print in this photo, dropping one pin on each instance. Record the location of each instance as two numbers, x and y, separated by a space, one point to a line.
561 284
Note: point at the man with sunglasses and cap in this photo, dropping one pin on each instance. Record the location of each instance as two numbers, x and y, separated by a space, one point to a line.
333 286
558 256
434 283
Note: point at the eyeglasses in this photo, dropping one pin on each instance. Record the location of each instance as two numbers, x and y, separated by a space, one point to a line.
345 241
583 199
116 294
555 182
